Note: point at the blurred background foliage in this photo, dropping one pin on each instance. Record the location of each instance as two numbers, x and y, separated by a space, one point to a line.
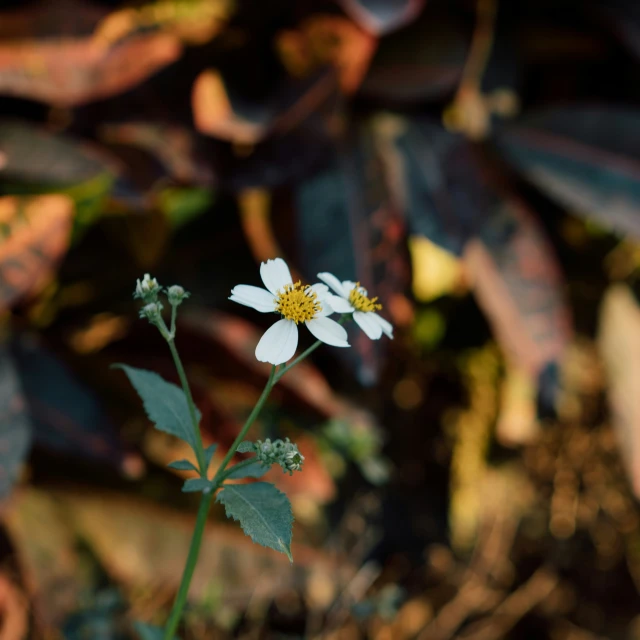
475 163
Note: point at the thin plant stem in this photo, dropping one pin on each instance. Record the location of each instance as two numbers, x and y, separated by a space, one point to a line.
236 467
174 313
205 503
247 425
192 558
192 408
169 336
218 479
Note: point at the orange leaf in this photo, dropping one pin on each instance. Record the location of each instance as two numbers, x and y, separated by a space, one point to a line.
37 233
70 71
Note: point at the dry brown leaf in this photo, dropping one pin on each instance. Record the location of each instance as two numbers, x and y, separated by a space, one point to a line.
47 555
213 113
145 545
327 39
71 71
36 235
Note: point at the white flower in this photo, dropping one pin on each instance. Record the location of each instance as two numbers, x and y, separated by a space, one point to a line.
352 298
147 289
296 303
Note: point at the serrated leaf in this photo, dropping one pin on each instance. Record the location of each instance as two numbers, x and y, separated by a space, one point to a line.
165 403
196 484
245 447
254 470
209 452
148 631
182 465
264 513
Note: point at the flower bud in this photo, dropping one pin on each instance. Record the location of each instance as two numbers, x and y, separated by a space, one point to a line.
147 289
152 311
282 452
176 294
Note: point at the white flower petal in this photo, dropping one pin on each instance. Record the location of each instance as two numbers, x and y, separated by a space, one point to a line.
321 290
340 305
255 297
279 342
348 286
329 331
333 282
387 327
325 309
368 324
275 274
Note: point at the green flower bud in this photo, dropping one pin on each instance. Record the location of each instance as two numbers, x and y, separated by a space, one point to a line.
282 452
176 295
152 312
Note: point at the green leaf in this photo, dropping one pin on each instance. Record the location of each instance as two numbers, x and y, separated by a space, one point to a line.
181 205
182 465
208 453
149 632
254 470
245 447
165 403
264 513
196 484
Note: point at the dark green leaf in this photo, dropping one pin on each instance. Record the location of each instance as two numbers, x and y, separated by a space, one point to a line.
422 62
245 447
254 470
196 484
586 158
348 225
182 465
66 414
209 452
264 513
15 425
165 403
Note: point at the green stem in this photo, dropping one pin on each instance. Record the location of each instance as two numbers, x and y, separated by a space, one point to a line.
192 407
192 558
247 425
240 465
196 540
205 503
174 313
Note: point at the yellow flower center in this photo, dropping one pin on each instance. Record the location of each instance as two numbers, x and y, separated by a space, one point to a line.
298 303
360 302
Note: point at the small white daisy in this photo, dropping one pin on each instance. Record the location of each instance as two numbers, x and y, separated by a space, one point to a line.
352 298
296 303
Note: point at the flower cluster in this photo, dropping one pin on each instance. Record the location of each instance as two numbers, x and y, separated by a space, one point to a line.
309 305
282 452
148 291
